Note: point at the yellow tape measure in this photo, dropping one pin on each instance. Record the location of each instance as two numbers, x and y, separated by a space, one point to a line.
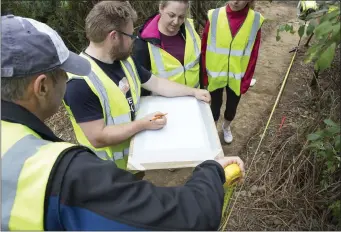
232 174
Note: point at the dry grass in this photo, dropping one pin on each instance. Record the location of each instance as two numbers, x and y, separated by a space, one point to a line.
282 190
61 125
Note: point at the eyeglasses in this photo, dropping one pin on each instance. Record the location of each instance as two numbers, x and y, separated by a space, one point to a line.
129 35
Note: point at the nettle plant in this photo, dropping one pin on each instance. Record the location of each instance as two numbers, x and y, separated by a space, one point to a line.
325 144
324 25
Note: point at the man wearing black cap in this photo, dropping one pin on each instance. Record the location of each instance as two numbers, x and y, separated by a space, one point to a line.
48 184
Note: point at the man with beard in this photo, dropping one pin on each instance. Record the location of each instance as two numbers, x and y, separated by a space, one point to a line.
102 105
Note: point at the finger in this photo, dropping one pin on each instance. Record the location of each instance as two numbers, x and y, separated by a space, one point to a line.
161 121
234 160
204 98
158 114
238 161
241 165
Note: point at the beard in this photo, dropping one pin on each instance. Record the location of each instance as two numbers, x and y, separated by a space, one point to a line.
120 53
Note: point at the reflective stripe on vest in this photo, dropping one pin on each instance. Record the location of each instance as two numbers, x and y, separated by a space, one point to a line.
116 155
158 57
237 76
137 90
226 51
12 164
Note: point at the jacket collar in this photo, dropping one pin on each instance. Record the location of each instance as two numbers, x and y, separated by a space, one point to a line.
14 113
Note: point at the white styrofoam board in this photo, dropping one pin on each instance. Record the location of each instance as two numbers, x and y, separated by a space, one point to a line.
189 138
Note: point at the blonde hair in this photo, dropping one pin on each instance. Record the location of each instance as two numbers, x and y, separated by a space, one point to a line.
107 16
164 3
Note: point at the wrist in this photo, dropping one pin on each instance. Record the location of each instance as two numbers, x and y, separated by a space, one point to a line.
193 92
140 125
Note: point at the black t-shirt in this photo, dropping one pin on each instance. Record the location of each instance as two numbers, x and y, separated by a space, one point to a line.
86 105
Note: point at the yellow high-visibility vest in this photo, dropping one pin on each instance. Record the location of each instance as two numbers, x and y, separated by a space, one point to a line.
303 8
116 109
27 161
227 58
164 65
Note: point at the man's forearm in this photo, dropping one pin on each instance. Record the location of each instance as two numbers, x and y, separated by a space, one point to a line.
116 134
168 88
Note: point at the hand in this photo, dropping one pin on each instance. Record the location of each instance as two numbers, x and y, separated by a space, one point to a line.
203 95
225 161
149 123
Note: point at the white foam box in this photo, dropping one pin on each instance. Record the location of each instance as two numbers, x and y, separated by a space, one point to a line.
189 137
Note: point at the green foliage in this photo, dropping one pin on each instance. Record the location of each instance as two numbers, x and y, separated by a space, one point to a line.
325 144
327 36
68 17
336 209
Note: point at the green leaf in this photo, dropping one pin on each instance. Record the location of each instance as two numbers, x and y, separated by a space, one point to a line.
310 29
278 38
331 166
336 209
326 58
316 145
313 22
301 30
313 137
321 154
330 122
330 16
315 15
322 29
336 35
287 27
282 27
312 53
333 130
